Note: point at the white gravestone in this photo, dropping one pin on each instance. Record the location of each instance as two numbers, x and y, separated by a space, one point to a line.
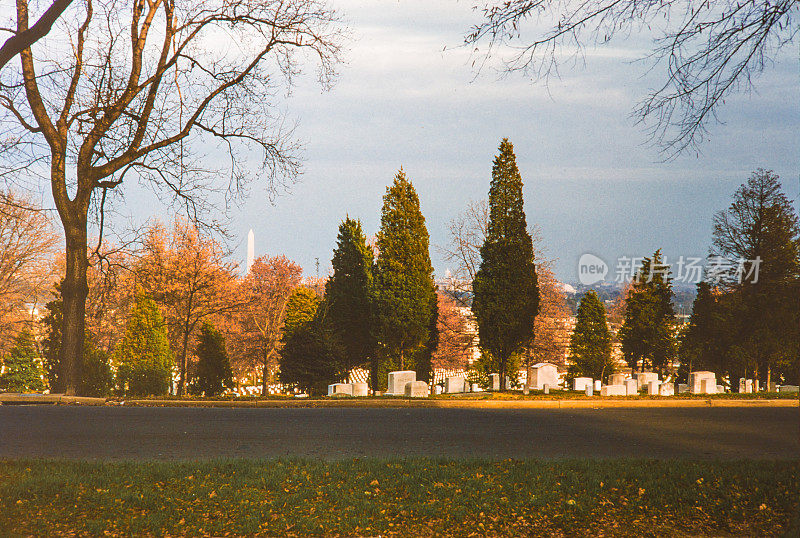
398 380
652 387
643 378
494 381
708 386
788 388
613 390
631 387
589 389
696 382
682 388
543 373
720 389
340 389
360 389
417 389
666 389
742 385
598 384
454 384
616 379
580 383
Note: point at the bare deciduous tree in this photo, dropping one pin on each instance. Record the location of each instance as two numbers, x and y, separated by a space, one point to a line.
19 41
142 90
709 49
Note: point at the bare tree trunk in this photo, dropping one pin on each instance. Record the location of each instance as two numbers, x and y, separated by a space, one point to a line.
182 378
74 291
503 361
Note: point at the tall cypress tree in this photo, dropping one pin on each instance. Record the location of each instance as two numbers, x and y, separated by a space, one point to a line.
143 355
404 292
347 293
648 332
22 368
506 293
590 343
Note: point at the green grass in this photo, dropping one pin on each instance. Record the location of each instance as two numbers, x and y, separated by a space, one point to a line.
408 497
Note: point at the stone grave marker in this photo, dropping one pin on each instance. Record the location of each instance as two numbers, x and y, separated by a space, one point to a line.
398 381
417 389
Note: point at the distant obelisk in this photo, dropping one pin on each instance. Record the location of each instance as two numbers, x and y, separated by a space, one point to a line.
251 249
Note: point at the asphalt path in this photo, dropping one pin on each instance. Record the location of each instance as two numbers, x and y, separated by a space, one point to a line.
198 433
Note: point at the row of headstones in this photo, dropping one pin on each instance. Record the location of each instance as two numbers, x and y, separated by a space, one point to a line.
747 386
621 385
403 383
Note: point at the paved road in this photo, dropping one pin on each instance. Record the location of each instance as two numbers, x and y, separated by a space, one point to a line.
189 433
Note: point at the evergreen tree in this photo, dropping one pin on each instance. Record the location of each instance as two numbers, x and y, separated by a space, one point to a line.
590 344
22 371
648 332
97 378
143 355
213 366
51 345
506 293
756 254
404 292
700 340
347 293
311 357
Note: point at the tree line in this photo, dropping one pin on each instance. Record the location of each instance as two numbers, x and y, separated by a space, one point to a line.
745 319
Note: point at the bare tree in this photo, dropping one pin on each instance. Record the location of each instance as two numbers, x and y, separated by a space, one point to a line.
19 41
145 88
709 49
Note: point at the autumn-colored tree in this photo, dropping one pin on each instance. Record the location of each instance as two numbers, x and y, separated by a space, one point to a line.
455 334
27 268
551 334
139 89
266 290
186 274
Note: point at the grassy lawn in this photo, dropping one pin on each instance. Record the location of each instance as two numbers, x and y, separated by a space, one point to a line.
407 497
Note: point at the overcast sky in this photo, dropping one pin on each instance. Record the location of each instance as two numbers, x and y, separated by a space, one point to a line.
409 97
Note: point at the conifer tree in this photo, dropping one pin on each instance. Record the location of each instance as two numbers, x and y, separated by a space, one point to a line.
311 357
404 292
347 293
648 332
22 370
143 355
757 241
590 343
213 366
506 293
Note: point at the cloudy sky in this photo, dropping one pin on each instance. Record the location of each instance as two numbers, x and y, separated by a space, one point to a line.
409 97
